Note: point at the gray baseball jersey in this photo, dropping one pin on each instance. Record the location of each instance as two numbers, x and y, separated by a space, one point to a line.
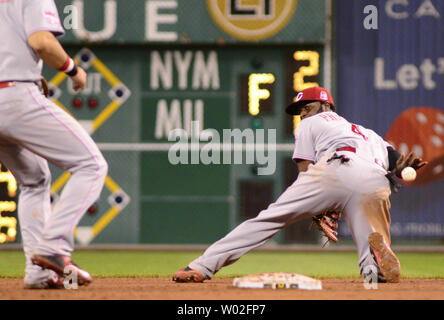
18 20
33 130
357 187
327 131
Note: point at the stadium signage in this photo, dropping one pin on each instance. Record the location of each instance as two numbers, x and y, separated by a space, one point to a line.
166 21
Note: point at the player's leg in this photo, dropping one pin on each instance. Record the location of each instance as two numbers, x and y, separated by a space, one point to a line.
302 200
368 218
43 128
33 177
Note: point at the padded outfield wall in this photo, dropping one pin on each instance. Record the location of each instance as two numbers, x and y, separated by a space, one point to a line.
157 65
390 63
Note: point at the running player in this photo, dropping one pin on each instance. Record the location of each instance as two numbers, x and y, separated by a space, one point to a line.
33 130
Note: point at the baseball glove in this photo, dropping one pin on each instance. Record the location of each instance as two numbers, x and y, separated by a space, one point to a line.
327 223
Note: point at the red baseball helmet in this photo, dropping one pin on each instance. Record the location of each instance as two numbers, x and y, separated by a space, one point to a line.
309 95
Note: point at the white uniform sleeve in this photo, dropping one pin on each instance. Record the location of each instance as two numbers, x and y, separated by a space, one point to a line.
304 144
41 15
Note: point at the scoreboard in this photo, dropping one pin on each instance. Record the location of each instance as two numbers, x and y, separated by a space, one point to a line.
8 206
243 88
263 80
152 69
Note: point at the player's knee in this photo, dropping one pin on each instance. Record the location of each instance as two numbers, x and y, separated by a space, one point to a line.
102 167
96 165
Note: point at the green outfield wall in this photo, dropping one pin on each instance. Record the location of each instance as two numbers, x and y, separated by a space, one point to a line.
202 67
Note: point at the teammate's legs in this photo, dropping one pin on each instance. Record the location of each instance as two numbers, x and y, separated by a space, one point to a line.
302 200
33 176
43 128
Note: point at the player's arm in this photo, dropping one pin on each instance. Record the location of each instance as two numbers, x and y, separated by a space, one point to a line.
304 151
49 49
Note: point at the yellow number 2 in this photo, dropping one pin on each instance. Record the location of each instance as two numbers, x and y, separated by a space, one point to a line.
312 69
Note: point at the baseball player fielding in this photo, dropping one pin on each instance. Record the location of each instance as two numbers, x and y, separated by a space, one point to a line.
343 167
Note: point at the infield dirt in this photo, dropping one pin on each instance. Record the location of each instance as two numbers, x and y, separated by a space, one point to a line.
222 289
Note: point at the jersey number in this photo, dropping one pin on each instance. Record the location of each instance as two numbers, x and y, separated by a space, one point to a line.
356 130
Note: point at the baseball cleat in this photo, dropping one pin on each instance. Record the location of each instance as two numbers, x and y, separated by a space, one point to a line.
387 261
55 282
63 266
188 275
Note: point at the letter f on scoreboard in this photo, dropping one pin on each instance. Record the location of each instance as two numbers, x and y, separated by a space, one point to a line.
255 93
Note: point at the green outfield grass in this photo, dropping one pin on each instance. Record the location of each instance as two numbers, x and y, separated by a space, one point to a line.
163 263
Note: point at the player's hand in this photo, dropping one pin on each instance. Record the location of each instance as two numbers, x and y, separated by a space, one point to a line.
408 161
79 80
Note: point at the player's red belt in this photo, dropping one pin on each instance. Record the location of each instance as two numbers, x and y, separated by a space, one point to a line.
7 84
351 149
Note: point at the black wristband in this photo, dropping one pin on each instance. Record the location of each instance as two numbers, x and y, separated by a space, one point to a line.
395 184
73 72
393 156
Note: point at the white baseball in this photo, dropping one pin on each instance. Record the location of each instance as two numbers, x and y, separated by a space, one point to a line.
408 174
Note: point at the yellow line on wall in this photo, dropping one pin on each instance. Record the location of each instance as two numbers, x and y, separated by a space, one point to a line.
58 78
105 114
112 79
60 182
111 185
105 220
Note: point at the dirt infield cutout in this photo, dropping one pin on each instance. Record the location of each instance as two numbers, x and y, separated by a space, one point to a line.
222 289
